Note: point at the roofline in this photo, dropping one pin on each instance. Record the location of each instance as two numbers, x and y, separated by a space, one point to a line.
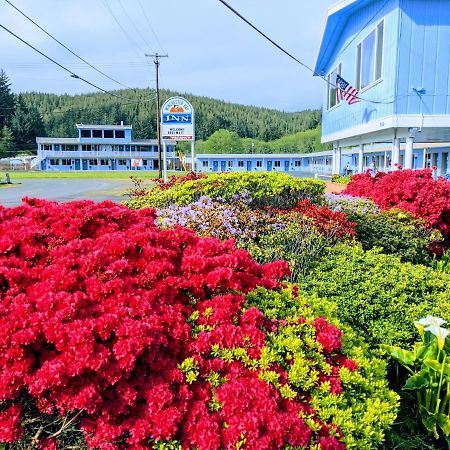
81 126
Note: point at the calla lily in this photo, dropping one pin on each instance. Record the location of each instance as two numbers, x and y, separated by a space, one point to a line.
440 333
431 321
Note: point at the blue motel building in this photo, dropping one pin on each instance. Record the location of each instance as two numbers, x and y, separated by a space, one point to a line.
101 147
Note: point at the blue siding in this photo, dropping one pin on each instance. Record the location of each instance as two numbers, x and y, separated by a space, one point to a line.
424 48
356 29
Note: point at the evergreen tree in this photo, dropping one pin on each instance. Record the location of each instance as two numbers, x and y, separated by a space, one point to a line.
26 125
7 145
6 100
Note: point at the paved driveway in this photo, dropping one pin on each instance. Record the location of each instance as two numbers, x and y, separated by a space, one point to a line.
64 190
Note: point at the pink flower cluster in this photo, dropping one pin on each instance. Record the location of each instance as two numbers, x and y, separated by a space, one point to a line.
99 310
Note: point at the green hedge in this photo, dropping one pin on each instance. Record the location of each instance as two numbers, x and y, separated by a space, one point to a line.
378 295
264 188
366 408
397 233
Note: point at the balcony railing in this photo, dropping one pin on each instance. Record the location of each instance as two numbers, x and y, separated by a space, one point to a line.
115 154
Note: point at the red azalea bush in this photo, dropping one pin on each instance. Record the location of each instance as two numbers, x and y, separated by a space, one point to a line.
140 334
415 191
329 223
173 179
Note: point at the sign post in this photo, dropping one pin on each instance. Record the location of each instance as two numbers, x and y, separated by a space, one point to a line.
177 124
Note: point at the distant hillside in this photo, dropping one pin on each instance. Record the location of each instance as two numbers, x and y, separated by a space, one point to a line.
61 112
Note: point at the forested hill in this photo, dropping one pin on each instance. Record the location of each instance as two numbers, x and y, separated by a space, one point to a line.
137 107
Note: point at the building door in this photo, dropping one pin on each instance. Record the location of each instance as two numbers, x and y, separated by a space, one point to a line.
43 164
286 166
215 166
269 166
113 164
249 166
85 164
77 164
223 166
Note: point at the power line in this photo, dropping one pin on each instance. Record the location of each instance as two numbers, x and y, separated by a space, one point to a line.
292 56
65 46
72 74
124 31
150 26
134 25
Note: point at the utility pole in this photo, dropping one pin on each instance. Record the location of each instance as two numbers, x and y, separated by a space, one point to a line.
156 57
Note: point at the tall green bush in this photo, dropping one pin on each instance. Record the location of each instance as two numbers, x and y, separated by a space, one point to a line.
377 294
397 233
264 188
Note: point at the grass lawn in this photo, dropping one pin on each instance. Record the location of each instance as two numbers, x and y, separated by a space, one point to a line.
94 175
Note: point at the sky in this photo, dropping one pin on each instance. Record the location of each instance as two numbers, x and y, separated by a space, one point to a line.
211 51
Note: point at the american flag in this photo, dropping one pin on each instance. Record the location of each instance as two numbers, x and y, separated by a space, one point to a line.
344 91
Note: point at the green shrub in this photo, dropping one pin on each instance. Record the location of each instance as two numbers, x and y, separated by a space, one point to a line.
298 242
396 232
275 189
366 408
343 179
379 295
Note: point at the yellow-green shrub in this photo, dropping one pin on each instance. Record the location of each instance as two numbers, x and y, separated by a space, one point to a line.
366 408
275 189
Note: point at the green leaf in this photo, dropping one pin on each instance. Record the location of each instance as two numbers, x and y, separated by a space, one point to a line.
433 364
429 422
418 381
444 422
403 356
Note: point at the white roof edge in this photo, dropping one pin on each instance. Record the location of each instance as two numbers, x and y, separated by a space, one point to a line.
339 5
96 126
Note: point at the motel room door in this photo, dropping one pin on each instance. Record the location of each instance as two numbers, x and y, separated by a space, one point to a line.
223 166
85 164
249 166
286 166
269 166
215 166
77 164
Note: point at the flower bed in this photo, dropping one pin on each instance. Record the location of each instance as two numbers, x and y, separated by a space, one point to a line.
143 338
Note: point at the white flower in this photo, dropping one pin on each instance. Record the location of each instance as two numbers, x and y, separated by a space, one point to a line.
431 321
440 333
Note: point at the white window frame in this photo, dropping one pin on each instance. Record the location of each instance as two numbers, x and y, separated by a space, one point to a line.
377 64
332 86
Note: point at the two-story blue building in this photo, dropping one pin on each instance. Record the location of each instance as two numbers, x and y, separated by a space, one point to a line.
102 147
397 54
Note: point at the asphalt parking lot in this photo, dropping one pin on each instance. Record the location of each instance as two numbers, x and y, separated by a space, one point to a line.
64 190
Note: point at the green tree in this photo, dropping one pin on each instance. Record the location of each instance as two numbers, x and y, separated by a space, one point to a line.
7 145
6 100
224 141
26 125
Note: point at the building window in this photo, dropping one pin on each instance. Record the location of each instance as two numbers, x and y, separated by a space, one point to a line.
119 134
122 162
297 163
133 148
277 163
259 163
97 133
369 58
332 98
104 162
54 162
240 163
56 147
66 162
108 134
85 133
145 148
120 148
86 147
205 164
93 162
230 163
46 147
145 162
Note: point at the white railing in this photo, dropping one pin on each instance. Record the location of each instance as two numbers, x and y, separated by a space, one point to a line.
99 154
